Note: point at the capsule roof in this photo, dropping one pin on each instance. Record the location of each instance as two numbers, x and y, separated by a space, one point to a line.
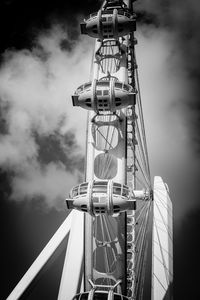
99 295
120 12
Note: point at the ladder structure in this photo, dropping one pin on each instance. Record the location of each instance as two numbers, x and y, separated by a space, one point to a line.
117 215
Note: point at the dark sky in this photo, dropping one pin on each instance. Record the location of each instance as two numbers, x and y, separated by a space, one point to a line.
26 226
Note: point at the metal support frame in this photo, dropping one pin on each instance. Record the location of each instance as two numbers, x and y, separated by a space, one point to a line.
43 257
71 279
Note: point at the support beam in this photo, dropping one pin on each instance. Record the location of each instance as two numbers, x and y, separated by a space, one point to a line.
71 280
42 259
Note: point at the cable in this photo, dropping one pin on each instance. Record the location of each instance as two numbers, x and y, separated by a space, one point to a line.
141 116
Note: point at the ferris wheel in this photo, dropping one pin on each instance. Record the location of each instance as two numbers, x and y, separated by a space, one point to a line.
120 224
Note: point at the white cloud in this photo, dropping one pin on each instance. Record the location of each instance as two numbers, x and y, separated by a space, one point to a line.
36 86
52 182
164 87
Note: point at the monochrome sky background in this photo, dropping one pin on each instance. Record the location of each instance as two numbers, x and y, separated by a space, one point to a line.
42 137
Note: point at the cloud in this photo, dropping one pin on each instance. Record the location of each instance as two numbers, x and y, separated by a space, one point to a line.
163 88
50 183
181 20
38 118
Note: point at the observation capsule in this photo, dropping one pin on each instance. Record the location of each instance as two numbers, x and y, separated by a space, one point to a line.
106 292
104 95
97 295
109 23
101 197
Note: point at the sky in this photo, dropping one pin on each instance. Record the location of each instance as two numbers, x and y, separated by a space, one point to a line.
43 59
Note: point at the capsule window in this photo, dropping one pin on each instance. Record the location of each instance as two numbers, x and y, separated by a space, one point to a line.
83 190
87 85
84 208
84 184
103 104
75 192
107 31
130 88
109 26
125 186
100 183
99 189
99 210
101 296
88 102
99 92
117 190
116 208
117 184
125 192
103 83
106 92
118 85
126 87
122 12
80 89
118 101
95 199
117 297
